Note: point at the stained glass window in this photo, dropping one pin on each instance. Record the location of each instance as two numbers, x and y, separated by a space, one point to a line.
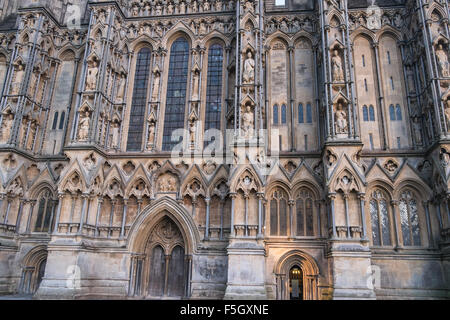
304 213
409 219
176 92
278 214
137 115
44 214
214 87
381 232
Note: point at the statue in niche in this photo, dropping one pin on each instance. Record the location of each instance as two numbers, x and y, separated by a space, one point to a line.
115 134
218 5
336 64
206 6
151 133
121 88
91 80
248 122
442 61
8 120
32 133
341 119
83 132
167 183
249 69
447 113
18 79
195 84
417 130
155 91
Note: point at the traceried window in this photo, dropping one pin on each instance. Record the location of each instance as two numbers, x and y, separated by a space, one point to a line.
304 213
308 113
176 92
214 88
44 212
381 234
137 114
278 214
409 219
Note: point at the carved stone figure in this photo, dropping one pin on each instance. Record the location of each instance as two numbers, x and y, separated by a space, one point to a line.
115 135
151 134
18 79
249 69
8 120
341 119
442 58
121 88
155 91
417 130
195 85
83 131
336 64
248 122
91 80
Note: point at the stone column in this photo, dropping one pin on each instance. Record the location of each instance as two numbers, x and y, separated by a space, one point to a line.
30 214
208 208
291 219
124 218
332 197
394 206
260 219
58 212
362 200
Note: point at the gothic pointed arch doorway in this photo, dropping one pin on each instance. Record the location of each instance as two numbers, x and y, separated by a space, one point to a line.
297 277
161 272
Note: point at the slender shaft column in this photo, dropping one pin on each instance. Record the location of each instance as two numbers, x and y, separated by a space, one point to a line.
208 208
58 213
233 199
8 208
84 196
291 219
394 205
139 207
447 210
439 215
111 217
166 277
319 222
427 216
260 222
19 215
362 201
347 218
222 207
124 218
30 214
99 209
246 197
332 198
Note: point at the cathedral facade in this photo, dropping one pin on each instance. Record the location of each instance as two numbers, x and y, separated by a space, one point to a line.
208 149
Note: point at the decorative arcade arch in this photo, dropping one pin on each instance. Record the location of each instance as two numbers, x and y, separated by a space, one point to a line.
296 270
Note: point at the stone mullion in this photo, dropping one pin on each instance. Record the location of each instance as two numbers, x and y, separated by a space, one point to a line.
408 94
82 82
395 211
97 105
25 84
439 113
382 107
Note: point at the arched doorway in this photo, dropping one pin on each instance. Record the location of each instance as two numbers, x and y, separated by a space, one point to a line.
296 283
297 277
33 270
162 271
